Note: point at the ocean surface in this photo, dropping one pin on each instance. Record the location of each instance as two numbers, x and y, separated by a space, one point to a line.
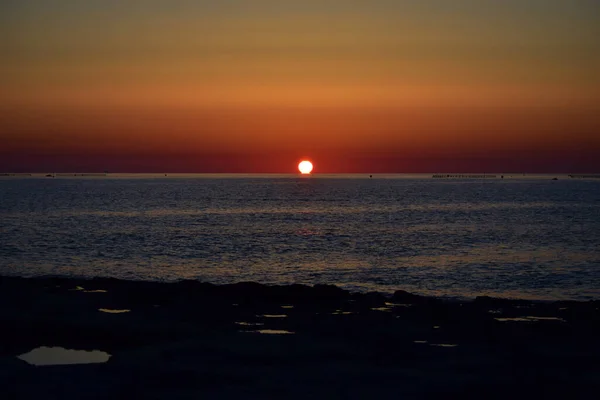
520 237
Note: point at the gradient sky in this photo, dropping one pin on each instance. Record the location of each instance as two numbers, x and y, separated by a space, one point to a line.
253 86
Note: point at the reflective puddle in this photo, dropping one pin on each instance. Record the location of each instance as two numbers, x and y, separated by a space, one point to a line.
529 319
272 316
397 304
82 289
111 311
243 323
383 309
443 345
61 356
271 332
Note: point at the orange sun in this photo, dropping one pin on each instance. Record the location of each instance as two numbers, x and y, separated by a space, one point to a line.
305 167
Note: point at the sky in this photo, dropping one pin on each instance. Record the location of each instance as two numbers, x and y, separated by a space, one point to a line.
255 86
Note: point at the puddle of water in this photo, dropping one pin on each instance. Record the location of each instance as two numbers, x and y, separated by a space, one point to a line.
61 356
436 327
287 307
272 316
384 309
340 312
243 323
397 304
82 289
111 311
271 332
519 319
546 319
420 341
529 319
443 345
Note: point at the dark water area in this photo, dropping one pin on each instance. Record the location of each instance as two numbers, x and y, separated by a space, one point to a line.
531 237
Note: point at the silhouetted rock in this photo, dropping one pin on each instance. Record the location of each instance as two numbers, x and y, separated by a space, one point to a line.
493 302
206 340
372 299
402 296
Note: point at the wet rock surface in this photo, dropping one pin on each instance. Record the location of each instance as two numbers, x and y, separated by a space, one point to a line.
191 339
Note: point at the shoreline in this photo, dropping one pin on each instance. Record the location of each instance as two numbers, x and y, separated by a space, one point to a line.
387 294
190 338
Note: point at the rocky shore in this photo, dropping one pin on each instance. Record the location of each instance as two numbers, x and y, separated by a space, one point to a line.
191 339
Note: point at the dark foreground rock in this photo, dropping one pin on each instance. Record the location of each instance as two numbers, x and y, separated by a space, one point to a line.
197 340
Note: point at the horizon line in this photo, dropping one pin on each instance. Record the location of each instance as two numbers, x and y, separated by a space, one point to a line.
436 173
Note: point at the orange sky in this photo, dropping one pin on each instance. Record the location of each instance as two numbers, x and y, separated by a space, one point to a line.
357 86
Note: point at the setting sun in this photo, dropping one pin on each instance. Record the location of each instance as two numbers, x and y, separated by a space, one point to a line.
305 167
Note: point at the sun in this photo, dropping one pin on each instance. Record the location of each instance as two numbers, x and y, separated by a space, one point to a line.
305 167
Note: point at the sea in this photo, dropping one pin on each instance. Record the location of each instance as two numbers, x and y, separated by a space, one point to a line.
452 236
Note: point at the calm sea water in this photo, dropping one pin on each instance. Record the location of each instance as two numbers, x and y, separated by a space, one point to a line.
526 237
